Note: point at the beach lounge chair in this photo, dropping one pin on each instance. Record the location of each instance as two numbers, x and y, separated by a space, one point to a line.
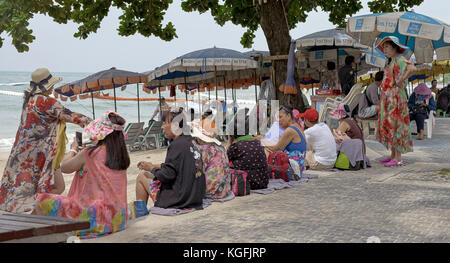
133 131
152 133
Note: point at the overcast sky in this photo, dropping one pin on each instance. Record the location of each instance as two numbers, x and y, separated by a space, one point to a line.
57 49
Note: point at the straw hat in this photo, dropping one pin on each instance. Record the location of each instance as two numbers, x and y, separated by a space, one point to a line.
42 81
205 131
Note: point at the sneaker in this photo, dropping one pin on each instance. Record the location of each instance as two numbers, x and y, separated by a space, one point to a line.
140 208
393 163
386 160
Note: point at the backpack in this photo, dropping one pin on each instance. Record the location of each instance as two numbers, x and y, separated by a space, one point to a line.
343 163
239 184
280 168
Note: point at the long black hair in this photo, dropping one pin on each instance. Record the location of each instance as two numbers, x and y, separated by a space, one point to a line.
117 157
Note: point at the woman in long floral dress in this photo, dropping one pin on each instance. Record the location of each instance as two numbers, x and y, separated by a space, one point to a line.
393 122
33 166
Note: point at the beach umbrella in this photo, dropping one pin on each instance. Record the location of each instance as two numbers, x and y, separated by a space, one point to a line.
422 34
316 49
103 80
200 65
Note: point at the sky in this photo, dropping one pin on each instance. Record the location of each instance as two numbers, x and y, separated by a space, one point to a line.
57 49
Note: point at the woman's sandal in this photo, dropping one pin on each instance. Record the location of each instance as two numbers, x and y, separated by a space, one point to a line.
393 163
386 160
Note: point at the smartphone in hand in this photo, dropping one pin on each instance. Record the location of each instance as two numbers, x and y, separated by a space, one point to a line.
79 137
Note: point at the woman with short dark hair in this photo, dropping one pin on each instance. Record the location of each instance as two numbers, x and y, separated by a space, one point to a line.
179 182
98 193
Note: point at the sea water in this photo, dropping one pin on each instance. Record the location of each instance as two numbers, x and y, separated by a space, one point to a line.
12 85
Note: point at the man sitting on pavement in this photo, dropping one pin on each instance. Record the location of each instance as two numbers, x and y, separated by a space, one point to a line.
371 98
321 146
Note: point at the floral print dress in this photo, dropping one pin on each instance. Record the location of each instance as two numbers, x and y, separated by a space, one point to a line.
217 170
394 131
97 194
29 168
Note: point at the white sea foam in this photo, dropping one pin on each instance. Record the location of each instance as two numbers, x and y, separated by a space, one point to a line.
11 93
6 144
14 84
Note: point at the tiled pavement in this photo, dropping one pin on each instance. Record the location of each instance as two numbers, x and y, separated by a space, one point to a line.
407 204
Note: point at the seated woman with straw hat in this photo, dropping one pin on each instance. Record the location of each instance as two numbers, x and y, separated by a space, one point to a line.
33 165
216 165
98 193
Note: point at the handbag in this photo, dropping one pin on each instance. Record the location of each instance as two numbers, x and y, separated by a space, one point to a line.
419 109
239 183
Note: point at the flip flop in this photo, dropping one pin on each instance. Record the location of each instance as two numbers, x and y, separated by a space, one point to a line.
386 160
393 163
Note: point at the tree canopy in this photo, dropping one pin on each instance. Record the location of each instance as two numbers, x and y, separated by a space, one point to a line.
146 17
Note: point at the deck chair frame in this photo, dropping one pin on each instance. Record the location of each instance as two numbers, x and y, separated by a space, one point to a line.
133 131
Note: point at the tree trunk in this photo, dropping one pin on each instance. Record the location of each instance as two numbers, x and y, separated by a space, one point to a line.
276 31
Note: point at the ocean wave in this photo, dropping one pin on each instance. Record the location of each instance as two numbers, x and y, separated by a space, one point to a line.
15 84
11 93
6 144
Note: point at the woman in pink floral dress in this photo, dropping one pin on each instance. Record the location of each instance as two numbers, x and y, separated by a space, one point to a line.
33 165
393 122
98 193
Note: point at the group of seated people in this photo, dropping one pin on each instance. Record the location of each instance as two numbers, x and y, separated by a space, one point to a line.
196 166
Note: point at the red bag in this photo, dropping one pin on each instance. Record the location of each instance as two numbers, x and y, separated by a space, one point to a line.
279 167
239 184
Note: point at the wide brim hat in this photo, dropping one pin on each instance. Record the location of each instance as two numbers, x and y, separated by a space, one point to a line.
394 39
42 81
205 131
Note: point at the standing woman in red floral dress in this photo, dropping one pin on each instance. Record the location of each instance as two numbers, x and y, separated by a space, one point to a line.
393 119
34 162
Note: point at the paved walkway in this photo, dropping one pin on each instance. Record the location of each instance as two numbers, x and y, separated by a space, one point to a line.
403 204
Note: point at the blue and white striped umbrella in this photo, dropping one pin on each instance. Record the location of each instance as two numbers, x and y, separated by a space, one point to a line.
422 34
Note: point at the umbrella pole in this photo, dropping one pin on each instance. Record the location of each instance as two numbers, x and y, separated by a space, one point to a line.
256 105
92 100
337 59
256 91
225 89
199 102
185 90
160 110
139 110
215 75
115 104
